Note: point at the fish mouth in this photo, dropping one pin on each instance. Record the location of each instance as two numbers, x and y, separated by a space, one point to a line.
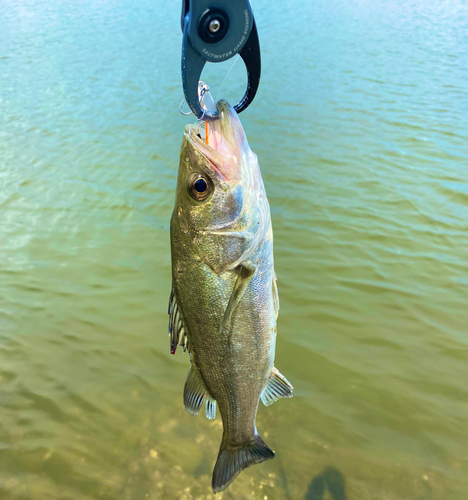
225 146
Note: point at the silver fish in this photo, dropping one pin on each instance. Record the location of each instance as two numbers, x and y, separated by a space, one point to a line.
224 301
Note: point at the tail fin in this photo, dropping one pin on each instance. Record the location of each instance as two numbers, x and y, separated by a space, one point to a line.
232 461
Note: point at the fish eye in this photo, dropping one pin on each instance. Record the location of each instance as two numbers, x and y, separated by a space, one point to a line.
199 187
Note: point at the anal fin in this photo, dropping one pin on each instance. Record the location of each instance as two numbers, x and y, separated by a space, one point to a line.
278 387
195 393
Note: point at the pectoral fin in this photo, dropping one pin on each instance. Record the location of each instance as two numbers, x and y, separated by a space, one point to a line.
278 387
243 279
274 290
195 393
228 247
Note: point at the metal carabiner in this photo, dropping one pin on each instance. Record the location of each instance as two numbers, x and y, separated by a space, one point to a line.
215 31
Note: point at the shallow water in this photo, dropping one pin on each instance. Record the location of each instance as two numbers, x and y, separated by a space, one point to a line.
361 129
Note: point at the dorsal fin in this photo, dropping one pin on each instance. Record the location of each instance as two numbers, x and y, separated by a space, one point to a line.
195 393
177 330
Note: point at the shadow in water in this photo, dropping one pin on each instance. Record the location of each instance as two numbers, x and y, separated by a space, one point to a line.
331 479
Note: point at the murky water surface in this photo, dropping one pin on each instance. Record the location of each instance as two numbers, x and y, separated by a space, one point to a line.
361 128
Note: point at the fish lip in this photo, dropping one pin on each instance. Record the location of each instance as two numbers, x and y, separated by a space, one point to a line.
231 128
212 156
228 150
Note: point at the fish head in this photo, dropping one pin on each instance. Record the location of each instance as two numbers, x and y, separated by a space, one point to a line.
219 183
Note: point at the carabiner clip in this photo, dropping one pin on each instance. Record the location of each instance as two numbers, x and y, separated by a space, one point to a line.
215 31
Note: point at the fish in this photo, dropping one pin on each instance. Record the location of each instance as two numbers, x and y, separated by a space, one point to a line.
224 301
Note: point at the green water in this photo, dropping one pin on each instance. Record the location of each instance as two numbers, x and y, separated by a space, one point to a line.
361 128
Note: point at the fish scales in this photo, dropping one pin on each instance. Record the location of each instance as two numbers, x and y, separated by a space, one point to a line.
224 296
